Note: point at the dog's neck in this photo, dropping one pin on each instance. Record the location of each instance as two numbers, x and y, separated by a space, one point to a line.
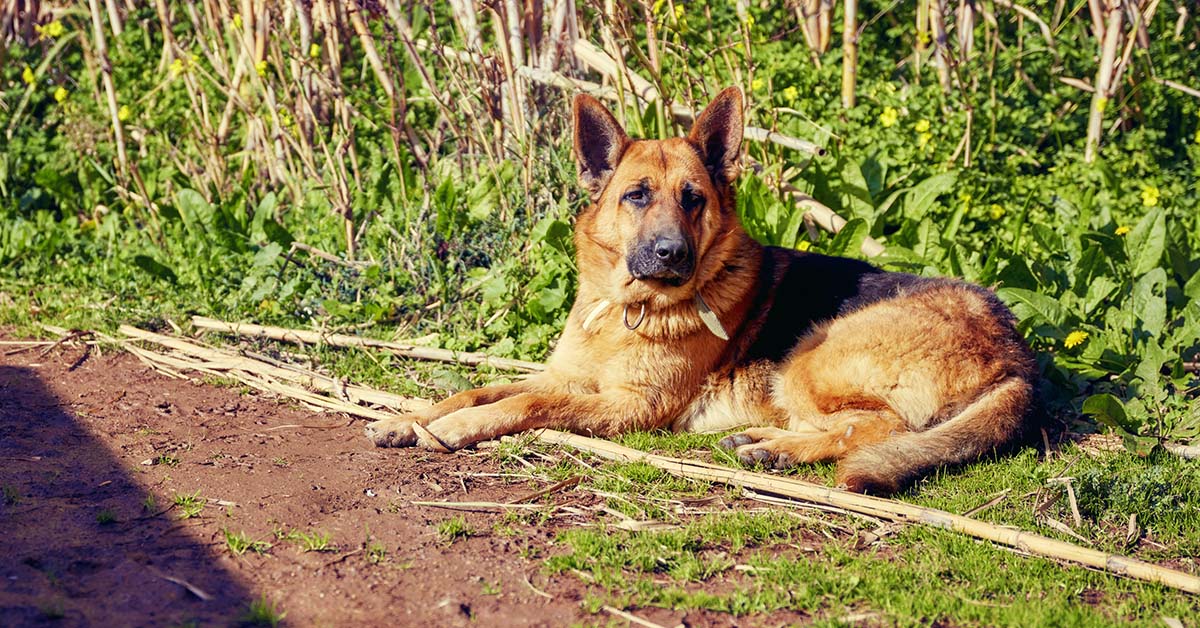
718 306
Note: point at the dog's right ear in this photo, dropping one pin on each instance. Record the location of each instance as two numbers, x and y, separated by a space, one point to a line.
599 143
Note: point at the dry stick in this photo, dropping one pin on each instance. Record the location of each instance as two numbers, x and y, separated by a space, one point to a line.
885 509
941 44
106 76
299 336
1178 86
629 617
219 360
1104 78
849 53
1042 26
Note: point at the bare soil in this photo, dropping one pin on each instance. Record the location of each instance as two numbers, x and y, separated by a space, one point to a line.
95 448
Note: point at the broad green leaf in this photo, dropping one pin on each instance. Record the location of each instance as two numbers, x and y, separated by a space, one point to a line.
848 241
1149 301
156 269
1110 411
1146 242
925 194
197 214
1027 304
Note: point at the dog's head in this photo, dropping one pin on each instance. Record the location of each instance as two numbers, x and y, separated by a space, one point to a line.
659 208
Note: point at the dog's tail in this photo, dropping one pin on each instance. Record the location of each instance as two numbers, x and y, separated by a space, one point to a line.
994 419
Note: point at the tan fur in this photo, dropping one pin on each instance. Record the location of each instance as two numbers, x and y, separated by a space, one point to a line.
890 390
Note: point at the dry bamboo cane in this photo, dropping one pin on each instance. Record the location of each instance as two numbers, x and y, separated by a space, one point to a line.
849 53
941 43
885 509
299 336
109 89
1104 77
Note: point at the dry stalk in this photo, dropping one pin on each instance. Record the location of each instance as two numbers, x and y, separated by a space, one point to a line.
1104 79
110 92
339 340
849 53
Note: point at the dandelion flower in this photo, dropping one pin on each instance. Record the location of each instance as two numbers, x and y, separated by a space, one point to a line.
50 31
1075 338
1149 195
804 245
758 84
889 117
996 212
177 67
1122 230
790 93
261 68
61 94
237 21
124 113
314 51
27 75
922 126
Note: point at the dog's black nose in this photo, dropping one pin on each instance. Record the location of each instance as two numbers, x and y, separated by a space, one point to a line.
670 250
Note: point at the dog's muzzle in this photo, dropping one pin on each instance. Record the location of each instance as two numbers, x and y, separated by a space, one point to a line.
664 258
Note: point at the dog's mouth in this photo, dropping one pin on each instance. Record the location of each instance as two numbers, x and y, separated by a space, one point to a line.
672 279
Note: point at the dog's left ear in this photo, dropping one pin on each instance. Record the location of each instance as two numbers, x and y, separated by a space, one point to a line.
718 132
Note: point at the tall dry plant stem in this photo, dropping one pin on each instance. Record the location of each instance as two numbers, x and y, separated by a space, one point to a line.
849 53
1104 79
110 91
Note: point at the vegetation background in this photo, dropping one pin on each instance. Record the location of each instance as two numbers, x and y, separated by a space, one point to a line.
403 169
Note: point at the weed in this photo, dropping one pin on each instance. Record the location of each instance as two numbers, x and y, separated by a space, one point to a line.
263 613
454 529
190 505
12 495
106 516
490 588
167 460
314 541
150 504
280 461
376 552
240 543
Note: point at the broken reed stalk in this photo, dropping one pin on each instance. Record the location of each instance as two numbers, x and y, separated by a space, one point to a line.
302 337
885 509
1104 79
849 53
110 91
293 382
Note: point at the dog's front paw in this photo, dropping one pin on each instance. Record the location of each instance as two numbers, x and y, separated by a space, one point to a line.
457 430
765 453
395 432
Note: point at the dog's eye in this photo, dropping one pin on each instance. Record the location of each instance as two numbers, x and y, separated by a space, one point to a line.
691 201
637 197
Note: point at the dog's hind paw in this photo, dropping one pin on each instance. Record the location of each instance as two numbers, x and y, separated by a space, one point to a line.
397 432
764 454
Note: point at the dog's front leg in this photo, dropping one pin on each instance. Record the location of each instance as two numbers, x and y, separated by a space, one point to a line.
398 431
599 414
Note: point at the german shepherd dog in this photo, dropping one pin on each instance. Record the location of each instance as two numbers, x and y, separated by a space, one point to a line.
682 321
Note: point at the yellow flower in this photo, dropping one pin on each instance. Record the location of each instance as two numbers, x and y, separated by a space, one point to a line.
261 68
758 84
178 67
27 75
923 139
314 50
51 30
1149 195
1075 338
996 212
124 113
61 94
1198 136
790 93
922 126
237 21
889 117
679 12
1122 230
804 245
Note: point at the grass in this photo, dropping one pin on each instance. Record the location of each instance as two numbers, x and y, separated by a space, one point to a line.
12 495
263 613
310 541
239 543
106 516
454 529
746 563
190 504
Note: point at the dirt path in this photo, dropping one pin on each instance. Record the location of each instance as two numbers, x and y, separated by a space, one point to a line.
95 449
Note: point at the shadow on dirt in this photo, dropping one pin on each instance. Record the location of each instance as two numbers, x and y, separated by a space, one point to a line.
81 543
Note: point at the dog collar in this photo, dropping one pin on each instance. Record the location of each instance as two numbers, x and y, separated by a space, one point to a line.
709 317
